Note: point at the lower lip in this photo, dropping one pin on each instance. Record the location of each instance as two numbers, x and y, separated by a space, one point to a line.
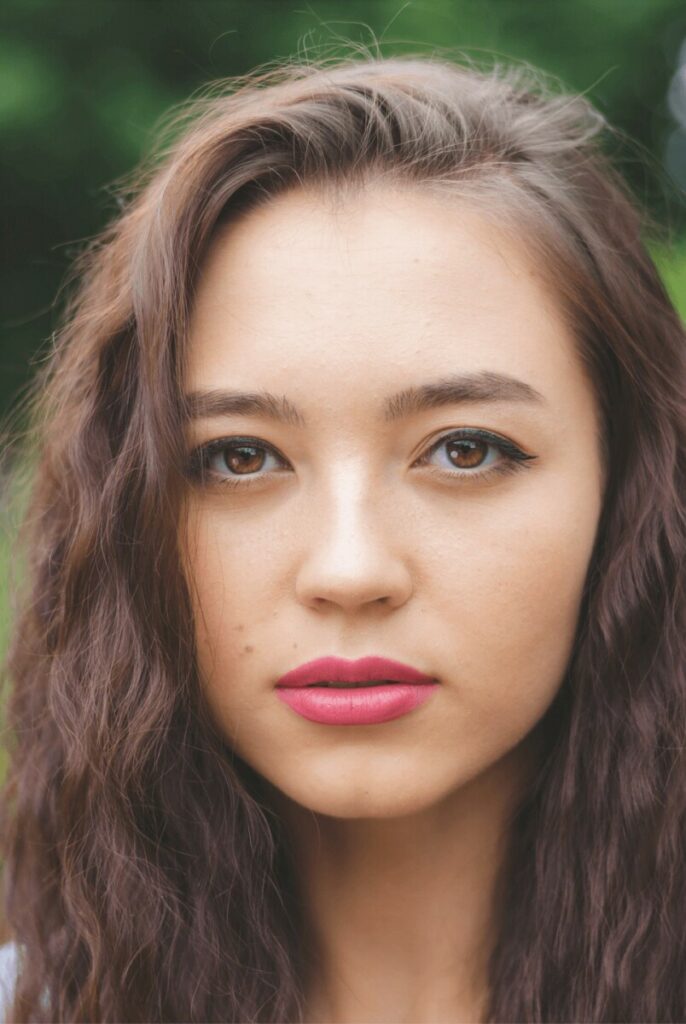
358 705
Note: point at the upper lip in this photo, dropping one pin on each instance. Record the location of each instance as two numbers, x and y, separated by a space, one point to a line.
341 670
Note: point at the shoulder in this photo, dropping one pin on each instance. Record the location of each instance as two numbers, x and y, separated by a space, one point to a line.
9 967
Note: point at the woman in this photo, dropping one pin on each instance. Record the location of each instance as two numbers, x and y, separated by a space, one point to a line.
349 682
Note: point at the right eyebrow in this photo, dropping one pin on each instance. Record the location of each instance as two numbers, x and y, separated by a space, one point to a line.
214 402
456 389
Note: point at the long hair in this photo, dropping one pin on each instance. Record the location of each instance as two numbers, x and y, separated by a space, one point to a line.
145 876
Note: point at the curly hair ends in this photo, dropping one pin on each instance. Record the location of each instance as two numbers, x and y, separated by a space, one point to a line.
145 879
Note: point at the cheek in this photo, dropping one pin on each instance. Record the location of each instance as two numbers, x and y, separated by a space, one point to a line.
213 590
230 567
513 602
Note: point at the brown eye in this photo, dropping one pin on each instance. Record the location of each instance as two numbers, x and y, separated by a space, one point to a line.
243 459
466 453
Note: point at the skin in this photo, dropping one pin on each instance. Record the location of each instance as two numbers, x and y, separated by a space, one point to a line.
352 549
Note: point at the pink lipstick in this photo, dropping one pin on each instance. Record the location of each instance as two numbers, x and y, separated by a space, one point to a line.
380 690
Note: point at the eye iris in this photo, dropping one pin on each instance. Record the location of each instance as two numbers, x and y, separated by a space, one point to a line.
242 458
466 454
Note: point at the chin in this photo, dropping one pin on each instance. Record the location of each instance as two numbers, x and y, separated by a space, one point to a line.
344 797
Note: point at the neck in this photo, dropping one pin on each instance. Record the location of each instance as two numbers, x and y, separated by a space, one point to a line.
402 912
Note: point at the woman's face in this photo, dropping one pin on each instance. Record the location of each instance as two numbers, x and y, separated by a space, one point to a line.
355 532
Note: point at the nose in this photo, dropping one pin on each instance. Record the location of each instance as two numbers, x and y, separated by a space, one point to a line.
352 558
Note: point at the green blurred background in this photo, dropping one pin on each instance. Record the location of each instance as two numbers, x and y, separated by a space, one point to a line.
83 82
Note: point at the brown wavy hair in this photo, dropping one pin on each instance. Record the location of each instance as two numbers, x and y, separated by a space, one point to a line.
146 877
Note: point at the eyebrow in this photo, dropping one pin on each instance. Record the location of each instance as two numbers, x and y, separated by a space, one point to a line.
486 386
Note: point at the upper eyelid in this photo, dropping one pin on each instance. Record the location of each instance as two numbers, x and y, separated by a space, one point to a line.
238 439
478 432
488 436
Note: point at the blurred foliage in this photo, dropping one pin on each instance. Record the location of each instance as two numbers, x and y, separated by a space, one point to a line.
82 83
672 265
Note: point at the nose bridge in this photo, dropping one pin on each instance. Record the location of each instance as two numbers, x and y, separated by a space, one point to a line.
352 512
351 555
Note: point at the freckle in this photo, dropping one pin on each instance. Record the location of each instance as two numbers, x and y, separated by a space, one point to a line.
239 627
248 648
295 647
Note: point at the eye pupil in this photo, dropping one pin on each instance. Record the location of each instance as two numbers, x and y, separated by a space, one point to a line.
243 457
466 453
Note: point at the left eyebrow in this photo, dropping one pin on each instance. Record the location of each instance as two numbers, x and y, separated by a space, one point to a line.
486 386
456 389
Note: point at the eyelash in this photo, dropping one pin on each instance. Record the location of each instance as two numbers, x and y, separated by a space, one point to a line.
513 458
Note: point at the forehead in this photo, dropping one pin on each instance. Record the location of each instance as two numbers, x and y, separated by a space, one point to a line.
309 296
